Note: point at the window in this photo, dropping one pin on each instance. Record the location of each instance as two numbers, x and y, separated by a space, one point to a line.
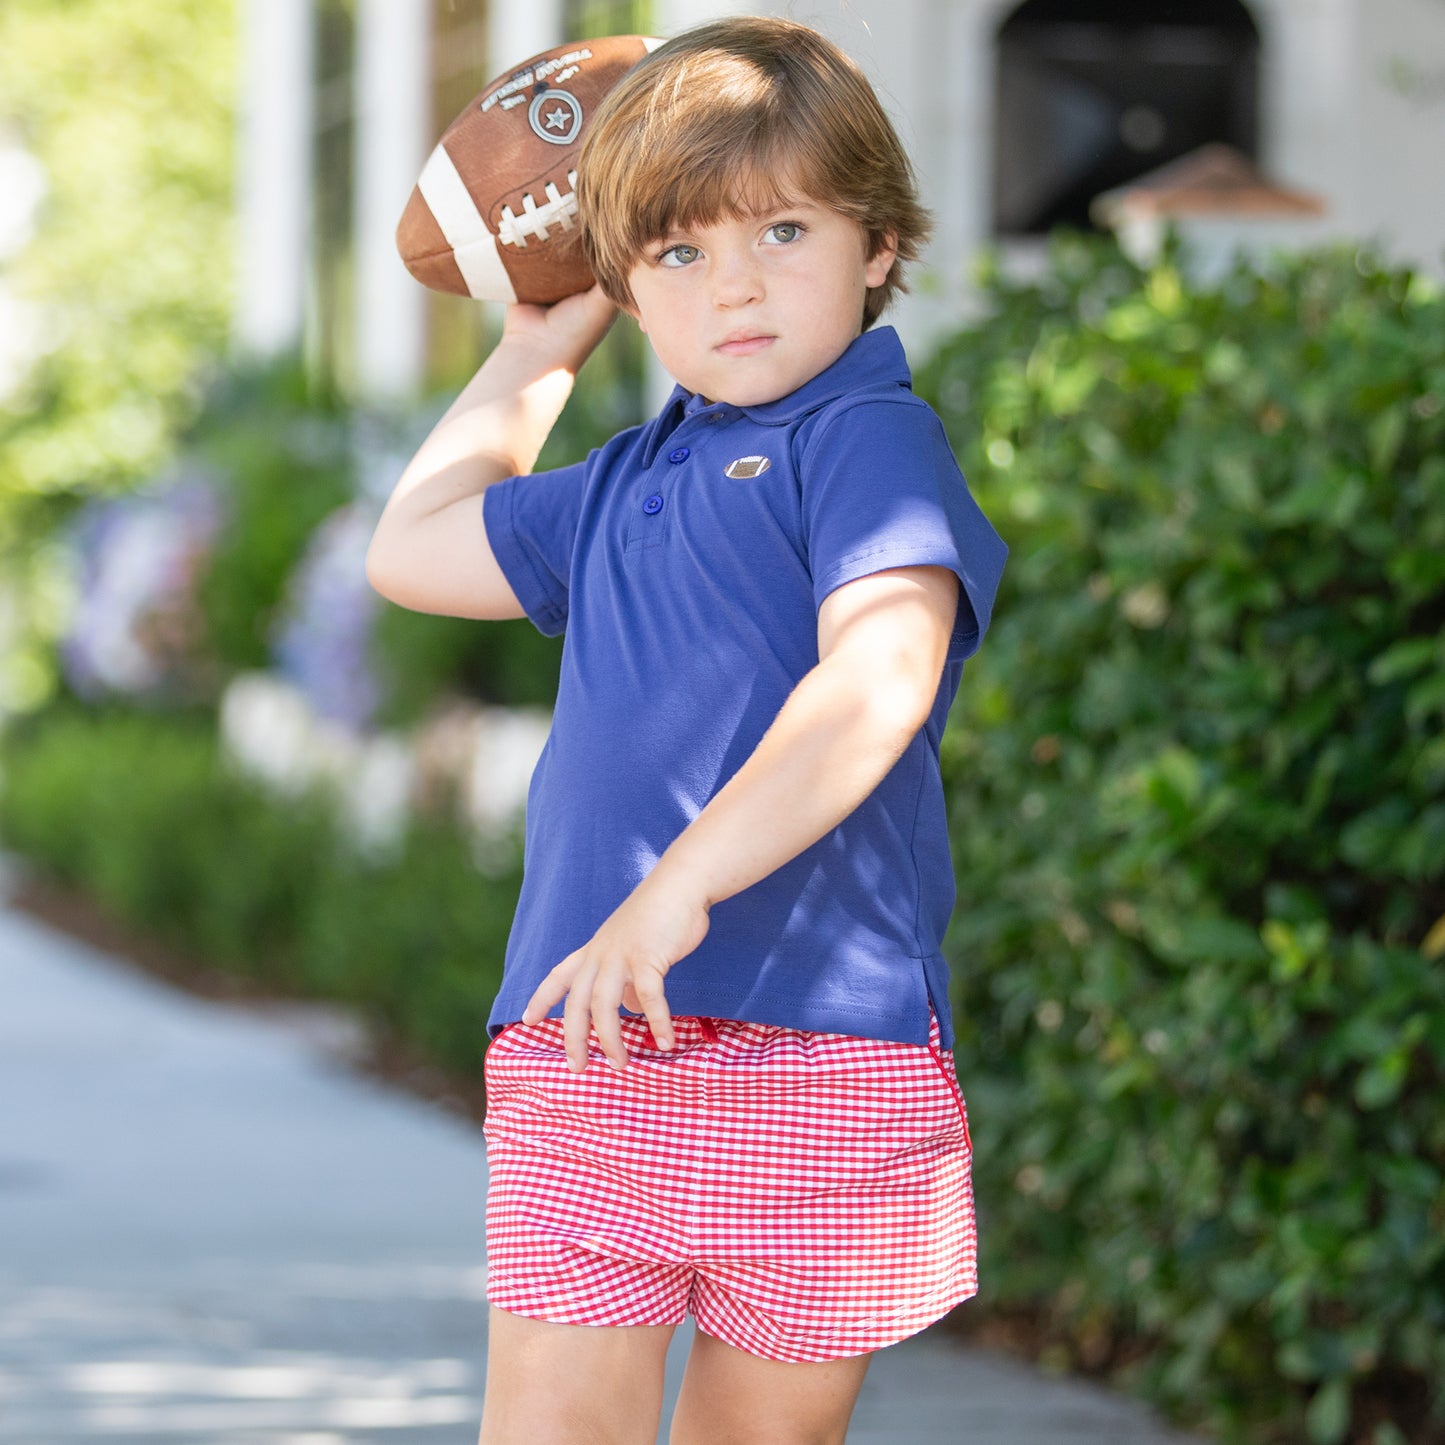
1092 93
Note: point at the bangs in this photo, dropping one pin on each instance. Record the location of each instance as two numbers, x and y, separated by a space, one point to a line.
717 187
733 120
685 162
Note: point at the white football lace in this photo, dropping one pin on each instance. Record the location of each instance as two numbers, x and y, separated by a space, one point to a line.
535 220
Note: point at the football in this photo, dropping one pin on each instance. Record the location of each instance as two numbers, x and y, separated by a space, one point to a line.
494 215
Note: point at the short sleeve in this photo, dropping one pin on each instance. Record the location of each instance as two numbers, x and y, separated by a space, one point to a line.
531 524
881 489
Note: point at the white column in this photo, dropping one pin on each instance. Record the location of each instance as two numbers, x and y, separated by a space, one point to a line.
392 81
273 174
519 29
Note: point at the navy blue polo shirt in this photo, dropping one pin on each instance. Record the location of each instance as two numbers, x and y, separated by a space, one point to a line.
685 561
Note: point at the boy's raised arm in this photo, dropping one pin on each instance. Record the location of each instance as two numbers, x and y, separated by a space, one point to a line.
430 550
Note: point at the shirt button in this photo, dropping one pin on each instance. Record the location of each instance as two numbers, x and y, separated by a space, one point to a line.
653 505
680 455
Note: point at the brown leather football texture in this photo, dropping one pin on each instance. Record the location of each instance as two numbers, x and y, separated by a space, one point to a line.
494 215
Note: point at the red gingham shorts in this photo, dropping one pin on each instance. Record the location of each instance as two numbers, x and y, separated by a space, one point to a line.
805 1196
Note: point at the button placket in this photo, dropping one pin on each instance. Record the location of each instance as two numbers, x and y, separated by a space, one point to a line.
647 530
654 502
648 525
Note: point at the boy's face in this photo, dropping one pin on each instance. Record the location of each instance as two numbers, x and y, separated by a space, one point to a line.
745 310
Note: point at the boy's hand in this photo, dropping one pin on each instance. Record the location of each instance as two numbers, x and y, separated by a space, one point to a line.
623 963
565 333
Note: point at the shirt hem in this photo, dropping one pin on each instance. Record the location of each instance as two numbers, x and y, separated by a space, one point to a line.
849 1019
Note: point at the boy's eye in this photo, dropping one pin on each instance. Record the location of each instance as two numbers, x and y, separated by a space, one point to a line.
784 232
680 255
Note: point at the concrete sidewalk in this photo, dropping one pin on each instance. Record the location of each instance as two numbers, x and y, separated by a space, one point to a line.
214 1232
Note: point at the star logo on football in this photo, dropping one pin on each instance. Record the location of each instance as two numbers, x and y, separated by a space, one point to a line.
555 116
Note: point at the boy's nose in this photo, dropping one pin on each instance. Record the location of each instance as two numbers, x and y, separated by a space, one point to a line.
736 281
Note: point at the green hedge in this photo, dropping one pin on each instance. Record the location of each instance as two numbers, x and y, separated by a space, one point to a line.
1197 779
143 814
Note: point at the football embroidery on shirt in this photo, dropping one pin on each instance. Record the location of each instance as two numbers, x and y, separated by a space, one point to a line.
745 468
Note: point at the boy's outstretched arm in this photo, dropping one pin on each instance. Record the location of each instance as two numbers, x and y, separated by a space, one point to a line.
882 643
430 550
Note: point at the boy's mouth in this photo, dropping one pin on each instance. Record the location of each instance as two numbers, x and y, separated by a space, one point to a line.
744 344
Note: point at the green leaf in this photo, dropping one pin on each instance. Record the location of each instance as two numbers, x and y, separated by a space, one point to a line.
1328 1416
1406 658
1426 699
1386 434
1381 1082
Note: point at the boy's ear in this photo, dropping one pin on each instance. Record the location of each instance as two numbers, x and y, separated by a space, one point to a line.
880 263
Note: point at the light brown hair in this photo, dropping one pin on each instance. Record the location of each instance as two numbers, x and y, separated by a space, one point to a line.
736 117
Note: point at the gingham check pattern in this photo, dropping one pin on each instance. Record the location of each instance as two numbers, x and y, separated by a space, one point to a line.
804 1196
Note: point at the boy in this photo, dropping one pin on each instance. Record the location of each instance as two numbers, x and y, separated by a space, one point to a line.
767 593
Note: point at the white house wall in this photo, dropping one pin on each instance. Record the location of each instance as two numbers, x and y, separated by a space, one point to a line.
1400 111
671 16
1352 108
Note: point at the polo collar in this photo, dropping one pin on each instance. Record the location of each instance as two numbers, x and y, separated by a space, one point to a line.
876 358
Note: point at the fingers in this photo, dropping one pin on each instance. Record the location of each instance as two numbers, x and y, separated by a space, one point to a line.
593 1007
653 1002
593 304
573 326
575 980
587 318
585 1016
594 996
550 992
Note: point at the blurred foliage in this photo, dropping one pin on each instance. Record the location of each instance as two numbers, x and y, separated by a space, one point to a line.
285 460
278 462
1197 780
586 18
129 108
130 111
285 457
425 657
144 814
